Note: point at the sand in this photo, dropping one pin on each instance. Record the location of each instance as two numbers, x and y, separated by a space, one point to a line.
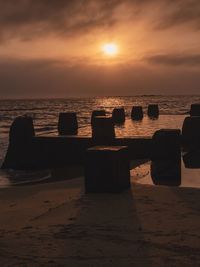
56 224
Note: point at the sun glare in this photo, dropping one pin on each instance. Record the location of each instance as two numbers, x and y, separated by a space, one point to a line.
110 49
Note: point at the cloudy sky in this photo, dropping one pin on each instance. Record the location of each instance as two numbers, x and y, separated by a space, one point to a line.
53 48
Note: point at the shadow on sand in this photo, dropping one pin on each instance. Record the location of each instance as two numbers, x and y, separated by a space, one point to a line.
106 232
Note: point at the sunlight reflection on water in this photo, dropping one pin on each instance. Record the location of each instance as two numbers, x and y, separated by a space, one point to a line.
146 127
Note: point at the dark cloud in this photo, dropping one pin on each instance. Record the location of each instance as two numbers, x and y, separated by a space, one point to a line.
27 19
180 12
175 59
170 13
54 78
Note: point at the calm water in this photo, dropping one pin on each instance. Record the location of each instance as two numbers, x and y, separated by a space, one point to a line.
189 177
45 114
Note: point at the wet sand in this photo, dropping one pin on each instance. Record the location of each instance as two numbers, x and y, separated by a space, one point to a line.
56 224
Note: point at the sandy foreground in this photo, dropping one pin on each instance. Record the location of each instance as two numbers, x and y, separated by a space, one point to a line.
56 224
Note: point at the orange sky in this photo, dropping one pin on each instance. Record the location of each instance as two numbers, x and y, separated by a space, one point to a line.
53 48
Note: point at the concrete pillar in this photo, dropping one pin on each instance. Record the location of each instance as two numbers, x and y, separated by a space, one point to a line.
153 111
166 157
107 169
20 140
118 115
166 144
195 110
67 123
103 130
166 172
191 159
21 130
137 113
191 133
95 113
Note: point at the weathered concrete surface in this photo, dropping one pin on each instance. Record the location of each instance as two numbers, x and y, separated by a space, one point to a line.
58 151
107 169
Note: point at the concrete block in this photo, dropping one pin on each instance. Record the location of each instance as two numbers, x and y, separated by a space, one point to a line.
137 113
195 110
67 123
103 130
165 144
107 169
95 113
118 115
191 133
153 111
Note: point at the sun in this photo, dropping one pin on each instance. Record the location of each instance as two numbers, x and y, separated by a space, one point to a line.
110 49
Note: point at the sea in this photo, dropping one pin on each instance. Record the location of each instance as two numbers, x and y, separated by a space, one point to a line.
45 113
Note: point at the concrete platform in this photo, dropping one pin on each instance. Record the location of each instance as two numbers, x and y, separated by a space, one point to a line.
57 151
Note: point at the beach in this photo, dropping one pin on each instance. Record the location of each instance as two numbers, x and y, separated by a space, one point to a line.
57 224
48 220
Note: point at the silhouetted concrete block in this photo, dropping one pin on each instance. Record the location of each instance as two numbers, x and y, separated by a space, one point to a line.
191 159
166 157
166 172
153 111
96 113
103 130
21 130
137 113
191 133
107 169
118 115
20 137
195 110
165 144
67 123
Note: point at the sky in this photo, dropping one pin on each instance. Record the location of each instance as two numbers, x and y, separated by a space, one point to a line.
53 48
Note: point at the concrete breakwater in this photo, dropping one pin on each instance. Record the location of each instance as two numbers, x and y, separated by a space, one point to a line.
58 151
28 151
